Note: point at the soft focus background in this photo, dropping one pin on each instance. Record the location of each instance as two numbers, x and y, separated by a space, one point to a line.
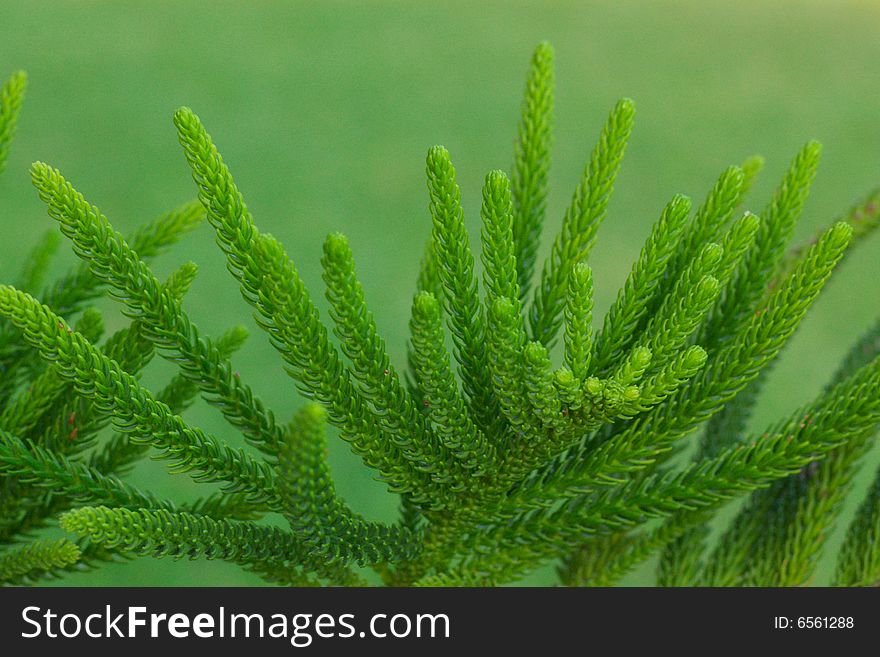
325 110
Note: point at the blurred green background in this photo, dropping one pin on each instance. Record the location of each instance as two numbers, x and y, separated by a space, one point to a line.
325 110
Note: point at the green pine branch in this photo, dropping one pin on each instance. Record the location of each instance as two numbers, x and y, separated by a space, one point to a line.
505 453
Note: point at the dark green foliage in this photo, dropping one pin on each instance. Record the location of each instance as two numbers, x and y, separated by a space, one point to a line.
505 453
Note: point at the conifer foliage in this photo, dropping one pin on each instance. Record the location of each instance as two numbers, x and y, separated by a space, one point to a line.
523 430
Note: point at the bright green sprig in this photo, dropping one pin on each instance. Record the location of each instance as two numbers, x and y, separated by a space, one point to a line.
634 366
532 164
69 292
461 296
735 244
581 223
36 511
714 214
303 341
162 319
626 315
569 389
371 367
428 281
609 399
726 425
579 321
36 560
499 246
686 305
670 377
181 279
756 270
